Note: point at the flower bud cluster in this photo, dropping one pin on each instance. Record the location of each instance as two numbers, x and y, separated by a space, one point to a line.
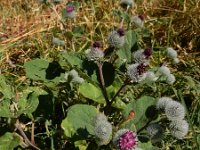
155 132
70 11
116 38
142 56
137 71
125 3
102 129
95 52
58 42
72 76
138 21
171 53
175 112
125 139
164 71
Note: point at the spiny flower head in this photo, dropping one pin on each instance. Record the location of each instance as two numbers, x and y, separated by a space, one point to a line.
99 117
103 132
125 139
171 53
141 17
70 11
155 131
148 52
136 72
138 21
150 77
142 55
174 110
141 68
162 102
97 44
164 70
170 79
72 76
95 52
121 32
69 8
116 38
179 128
176 60
125 3
58 42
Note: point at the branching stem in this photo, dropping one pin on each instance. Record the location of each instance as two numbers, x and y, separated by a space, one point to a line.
102 83
144 127
122 22
120 89
18 127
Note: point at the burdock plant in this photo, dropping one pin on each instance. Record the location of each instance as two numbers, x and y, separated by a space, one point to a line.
115 76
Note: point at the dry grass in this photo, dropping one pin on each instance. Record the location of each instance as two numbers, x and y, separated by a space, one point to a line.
30 23
27 28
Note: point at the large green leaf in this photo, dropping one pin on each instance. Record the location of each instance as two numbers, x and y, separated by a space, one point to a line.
90 91
28 101
140 107
36 69
5 89
125 51
26 104
9 141
40 69
79 121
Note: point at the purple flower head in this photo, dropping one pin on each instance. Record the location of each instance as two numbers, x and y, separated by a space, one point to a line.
148 52
116 38
141 69
141 17
121 32
127 140
69 8
97 44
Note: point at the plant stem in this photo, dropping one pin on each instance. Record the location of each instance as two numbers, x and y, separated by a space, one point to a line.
58 16
18 126
32 132
144 126
120 89
122 22
102 83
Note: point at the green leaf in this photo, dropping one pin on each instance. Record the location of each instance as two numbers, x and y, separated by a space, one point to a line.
36 69
147 146
79 121
5 108
118 103
28 102
81 145
140 108
5 89
9 141
90 91
125 51
70 58
68 127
